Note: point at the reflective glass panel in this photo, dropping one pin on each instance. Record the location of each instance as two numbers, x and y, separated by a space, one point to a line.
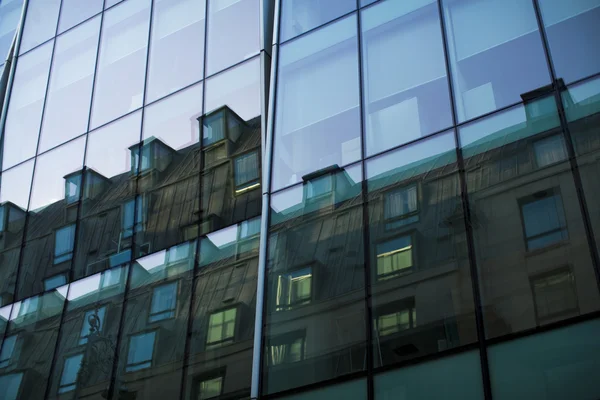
36 321
582 106
176 46
315 310
495 53
75 11
25 107
355 390
233 32
299 16
10 15
532 254
558 364
40 23
453 377
68 99
420 275
121 62
404 73
317 121
571 29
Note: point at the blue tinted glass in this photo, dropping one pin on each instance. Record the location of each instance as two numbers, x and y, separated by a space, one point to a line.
543 215
141 348
63 245
10 385
69 374
299 16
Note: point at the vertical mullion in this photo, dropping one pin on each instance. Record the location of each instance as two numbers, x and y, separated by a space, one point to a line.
483 356
365 222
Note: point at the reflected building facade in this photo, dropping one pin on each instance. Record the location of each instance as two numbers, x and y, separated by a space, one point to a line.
297 199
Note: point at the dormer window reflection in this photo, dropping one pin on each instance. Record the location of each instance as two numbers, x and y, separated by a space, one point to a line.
213 129
154 154
72 188
220 124
319 187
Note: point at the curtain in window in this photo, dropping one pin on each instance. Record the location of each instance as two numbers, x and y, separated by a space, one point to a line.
63 246
246 169
401 202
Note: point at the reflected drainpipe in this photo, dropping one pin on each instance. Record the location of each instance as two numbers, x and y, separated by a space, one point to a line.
266 184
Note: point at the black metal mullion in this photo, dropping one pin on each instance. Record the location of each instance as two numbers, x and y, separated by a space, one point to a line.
483 356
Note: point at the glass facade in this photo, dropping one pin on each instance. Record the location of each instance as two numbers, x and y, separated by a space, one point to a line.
299 199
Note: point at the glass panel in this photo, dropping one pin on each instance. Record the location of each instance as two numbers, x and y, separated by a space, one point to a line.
238 89
233 32
90 327
71 368
25 107
317 121
554 365
176 46
223 315
568 23
526 219
157 311
299 16
68 100
420 264
495 52
11 385
75 11
582 106
107 187
8 349
10 16
454 377
411 88
110 3
355 390
122 61
321 311
40 23
36 320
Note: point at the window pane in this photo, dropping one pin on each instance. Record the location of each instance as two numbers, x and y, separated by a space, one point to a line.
75 11
246 169
317 111
70 373
10 16
404 73
68 99
141 349
55 281
495 51
176 46
122 61
299 16
233 32
164 302
554 365
10 385
454 377
8 348
63 244
316 253
25 106
526 217
572 22
40 23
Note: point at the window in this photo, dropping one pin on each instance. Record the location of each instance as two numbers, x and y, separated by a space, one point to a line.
287 348
133 213
210 388
214 129
64 239
246 172
55 281
68 379
394 257
178 253
544 220
141 349
319 186
8 348
550 150
401 207
294 288
250 228
10 385
221 328
93 322
401 319
72 185
164 302
2 214
554 294
135 159
29 306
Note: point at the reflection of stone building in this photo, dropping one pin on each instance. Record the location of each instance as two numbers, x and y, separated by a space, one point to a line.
148 327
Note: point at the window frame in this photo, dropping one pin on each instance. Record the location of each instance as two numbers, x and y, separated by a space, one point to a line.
404 219
299 303
536 197
243 187
198 380
540 320
287 338
68 254
413 249
227 341
128 366
153 317
73 385
405 304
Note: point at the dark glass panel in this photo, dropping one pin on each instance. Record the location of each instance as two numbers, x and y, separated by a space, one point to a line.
299 16
355 390
220 362
532 254
420 275
559 364
495 52
404 73
317 117
315 296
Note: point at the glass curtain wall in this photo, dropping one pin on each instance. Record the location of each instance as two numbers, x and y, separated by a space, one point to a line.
130 199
